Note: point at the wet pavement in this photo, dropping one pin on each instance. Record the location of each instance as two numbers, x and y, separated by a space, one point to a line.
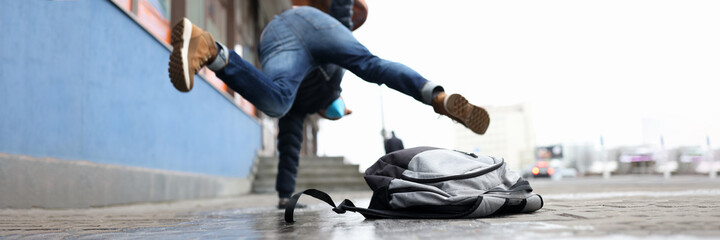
623 207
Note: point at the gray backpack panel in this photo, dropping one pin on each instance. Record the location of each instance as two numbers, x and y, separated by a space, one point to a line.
427 182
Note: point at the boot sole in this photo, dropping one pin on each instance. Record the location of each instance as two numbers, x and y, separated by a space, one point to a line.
473 117
179 65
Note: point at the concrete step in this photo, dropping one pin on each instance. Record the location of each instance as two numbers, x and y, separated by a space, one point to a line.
324 173
305 159
269 163
313 172
348 183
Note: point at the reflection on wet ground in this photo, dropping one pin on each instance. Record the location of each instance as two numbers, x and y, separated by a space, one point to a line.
317 222
630 208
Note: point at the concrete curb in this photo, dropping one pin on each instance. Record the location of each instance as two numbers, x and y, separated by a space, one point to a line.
28 182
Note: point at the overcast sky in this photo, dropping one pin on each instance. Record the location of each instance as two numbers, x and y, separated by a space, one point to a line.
586 68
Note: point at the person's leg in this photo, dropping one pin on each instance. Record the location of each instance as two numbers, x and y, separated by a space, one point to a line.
329 42
271 91
285 62
289 141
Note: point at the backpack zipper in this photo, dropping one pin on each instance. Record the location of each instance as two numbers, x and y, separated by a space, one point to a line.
455 177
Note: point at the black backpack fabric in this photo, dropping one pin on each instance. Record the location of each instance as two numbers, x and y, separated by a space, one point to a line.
435 183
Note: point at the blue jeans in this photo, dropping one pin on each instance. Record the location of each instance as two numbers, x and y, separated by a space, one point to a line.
295 43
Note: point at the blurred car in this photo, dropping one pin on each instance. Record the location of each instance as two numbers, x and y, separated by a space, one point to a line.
539 169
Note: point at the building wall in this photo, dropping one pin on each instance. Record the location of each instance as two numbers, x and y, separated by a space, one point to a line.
82 81
510 136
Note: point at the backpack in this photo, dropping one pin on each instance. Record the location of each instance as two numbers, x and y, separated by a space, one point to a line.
435 183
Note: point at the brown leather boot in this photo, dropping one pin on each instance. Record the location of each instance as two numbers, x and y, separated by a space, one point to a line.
193 48
459 109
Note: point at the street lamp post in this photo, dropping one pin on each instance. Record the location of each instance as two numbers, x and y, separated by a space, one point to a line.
665 161
710 157
603 155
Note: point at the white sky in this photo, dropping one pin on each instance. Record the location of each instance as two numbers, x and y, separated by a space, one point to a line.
587 68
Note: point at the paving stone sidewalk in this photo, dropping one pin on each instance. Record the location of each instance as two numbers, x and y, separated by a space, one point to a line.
623 207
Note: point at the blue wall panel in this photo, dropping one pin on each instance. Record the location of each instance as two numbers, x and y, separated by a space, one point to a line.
81 80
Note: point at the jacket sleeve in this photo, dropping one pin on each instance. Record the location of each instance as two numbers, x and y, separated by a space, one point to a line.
342 10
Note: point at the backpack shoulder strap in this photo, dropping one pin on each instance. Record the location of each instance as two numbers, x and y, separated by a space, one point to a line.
379 213
348 205
290 209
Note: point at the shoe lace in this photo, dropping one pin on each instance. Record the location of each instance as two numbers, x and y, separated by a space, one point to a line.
201 63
